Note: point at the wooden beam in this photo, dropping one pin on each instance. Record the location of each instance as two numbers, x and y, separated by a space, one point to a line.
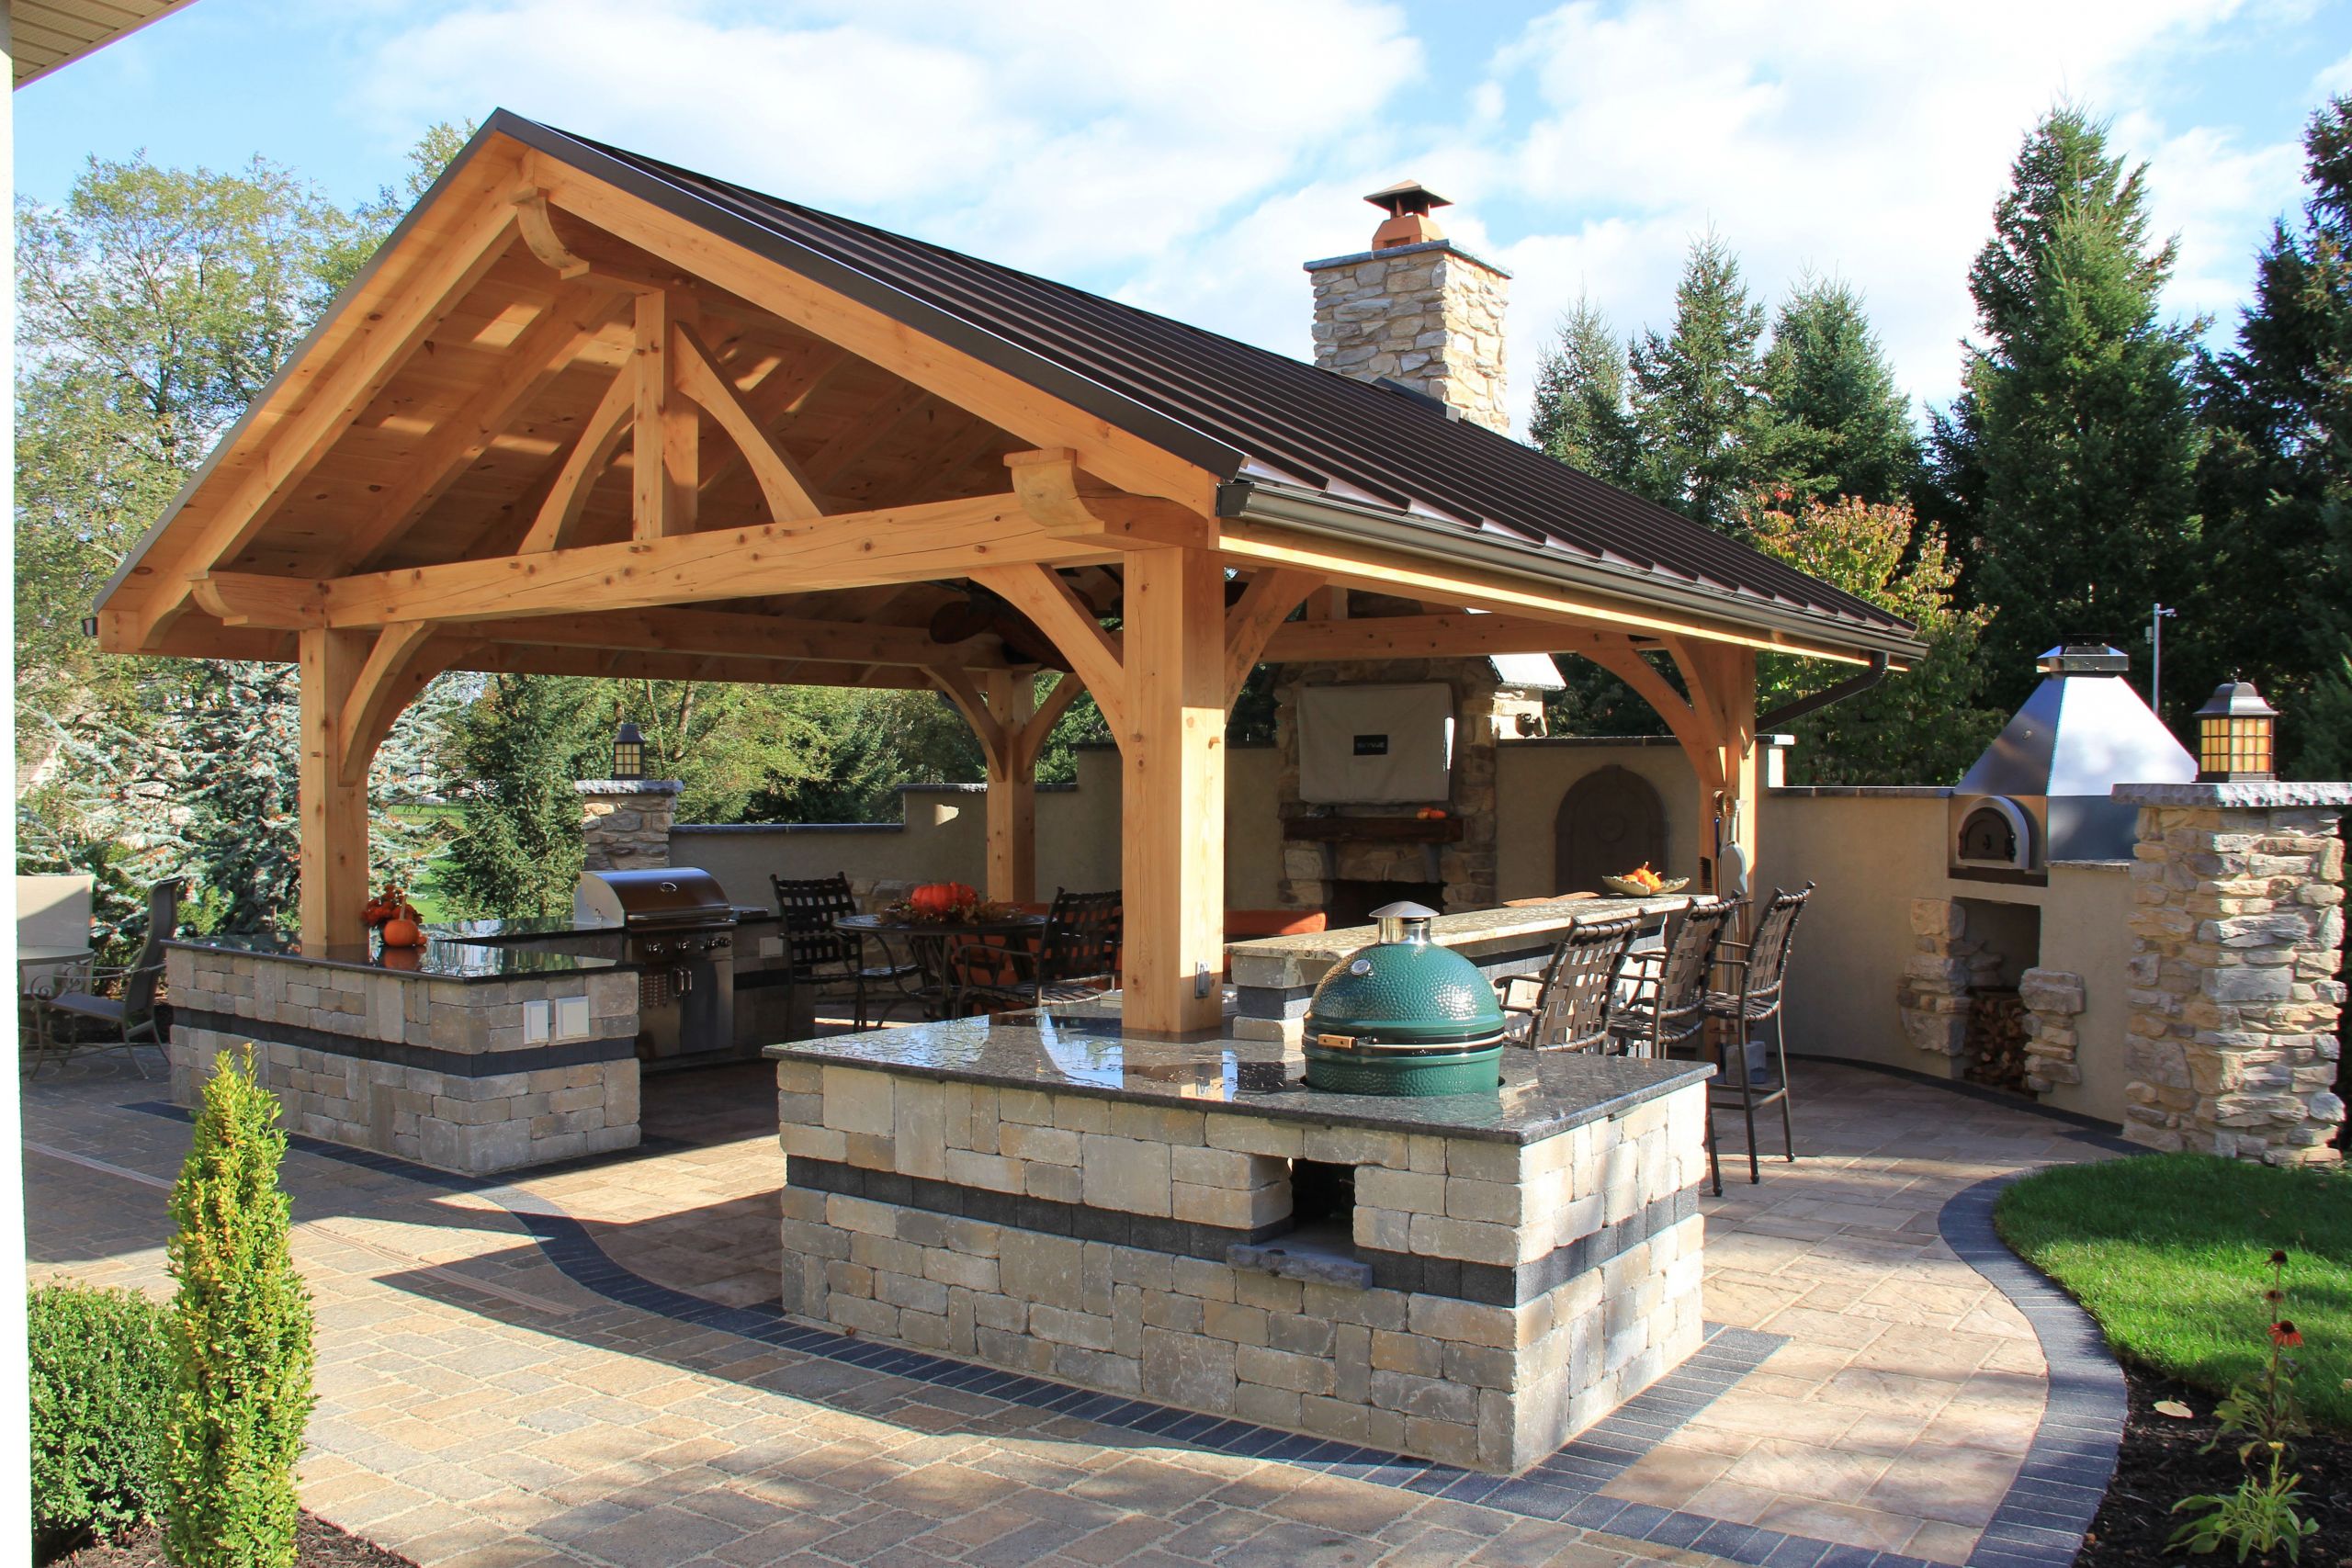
545 348
333 812
1264 606
667 439
590 449
741 636
399 666
907 543
1380 569
1065 502
1030 412
1171 742
1094 654
529 659
393 327
790 496
1424 636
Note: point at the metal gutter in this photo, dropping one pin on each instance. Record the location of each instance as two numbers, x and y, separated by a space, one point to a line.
1852 687
1247 501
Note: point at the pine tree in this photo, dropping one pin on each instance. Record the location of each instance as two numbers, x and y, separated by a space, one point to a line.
1697 393
517 748
1838 424
1580 415
2076 428
2277 482
240 1334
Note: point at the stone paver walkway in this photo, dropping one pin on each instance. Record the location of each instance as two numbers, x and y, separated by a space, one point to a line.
481 1407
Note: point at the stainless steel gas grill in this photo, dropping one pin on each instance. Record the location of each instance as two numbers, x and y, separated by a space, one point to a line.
677 925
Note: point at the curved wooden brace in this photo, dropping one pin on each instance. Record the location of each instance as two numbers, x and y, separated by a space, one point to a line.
959 689
1266 603
790 495
1040 727
538 232
1039 593
590 450
1688 725
399 666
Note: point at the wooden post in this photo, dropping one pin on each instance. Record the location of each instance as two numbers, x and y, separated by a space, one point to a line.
1742 770
1012 789
1173 755
335 813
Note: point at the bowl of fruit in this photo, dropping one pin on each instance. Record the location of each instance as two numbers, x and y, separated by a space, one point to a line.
1642 883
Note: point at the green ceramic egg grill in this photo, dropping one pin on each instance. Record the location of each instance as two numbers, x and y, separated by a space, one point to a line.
1404 1017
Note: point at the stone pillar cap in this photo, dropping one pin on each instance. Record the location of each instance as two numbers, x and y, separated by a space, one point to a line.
630 786
2248 794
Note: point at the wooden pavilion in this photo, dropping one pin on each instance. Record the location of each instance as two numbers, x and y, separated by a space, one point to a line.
587 413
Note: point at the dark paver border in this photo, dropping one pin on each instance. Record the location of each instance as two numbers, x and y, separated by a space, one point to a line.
2040 1524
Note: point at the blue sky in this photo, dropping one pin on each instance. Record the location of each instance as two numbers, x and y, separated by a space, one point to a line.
1188 157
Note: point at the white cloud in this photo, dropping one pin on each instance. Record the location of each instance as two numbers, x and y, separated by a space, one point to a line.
2336 78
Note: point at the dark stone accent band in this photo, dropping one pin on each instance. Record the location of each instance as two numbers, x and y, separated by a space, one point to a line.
1487 1284
1049 1216
433 1058
1492 1284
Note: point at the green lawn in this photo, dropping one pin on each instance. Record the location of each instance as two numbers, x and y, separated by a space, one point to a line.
2171 1253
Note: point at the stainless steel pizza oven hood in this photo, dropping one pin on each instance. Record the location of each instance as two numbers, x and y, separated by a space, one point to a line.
2040 792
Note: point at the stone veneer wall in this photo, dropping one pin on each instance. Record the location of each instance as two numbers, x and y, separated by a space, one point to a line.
625 823
433 1071
2236 946
2053 1000
1483 711
1935 991
1429 315
1518 1295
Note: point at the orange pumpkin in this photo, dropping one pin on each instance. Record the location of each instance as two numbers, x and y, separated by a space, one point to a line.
403 932
935 899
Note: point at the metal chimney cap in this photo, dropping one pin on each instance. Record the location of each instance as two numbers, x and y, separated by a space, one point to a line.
2084 659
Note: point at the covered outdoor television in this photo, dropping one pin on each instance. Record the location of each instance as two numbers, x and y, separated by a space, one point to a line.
1361 745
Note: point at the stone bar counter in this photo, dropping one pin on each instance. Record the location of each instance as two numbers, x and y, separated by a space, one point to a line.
1274 977
1471 1279
434 1054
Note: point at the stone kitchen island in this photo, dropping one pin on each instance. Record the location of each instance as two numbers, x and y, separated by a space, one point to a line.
471 1053
1472 1279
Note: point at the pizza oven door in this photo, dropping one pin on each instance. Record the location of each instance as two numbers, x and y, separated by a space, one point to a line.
1995 838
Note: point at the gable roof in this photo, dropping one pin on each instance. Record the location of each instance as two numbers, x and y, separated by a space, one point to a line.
1294 441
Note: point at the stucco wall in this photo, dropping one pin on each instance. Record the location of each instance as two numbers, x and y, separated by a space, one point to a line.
1532 775
943 837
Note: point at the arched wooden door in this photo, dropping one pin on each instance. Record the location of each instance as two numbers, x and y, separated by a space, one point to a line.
1610 821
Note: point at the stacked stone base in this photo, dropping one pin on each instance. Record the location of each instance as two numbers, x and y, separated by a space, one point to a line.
2053 1000
1499 1298
1940 980
410 1066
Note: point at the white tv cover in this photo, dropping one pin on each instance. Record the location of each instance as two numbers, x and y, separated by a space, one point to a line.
1363 744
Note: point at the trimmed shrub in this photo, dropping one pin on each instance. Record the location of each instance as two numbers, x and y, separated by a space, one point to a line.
241 1327
101 1363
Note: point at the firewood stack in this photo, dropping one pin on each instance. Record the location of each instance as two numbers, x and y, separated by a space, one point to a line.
1996 1052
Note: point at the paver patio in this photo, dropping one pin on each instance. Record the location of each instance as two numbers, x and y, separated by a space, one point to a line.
490 1396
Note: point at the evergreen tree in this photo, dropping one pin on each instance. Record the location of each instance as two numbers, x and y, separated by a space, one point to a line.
518 747
1837 424
1580 414
2277 481
2076 425
240 1334
1697 393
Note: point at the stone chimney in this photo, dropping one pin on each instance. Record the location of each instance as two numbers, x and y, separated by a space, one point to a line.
1416 309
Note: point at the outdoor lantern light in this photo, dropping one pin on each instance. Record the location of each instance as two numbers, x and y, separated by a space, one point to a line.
628 752
2234 735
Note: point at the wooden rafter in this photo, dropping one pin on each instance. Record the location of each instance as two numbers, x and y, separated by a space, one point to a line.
741 636
866 430
545 348
790 495
906 544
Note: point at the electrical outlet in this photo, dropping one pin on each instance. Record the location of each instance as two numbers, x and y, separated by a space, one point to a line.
534 1023
571 1017
771 947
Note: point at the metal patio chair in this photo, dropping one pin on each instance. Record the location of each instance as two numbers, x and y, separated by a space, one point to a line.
1755 976
1076 957
1667 1014
1568 1007
827 959
126 1020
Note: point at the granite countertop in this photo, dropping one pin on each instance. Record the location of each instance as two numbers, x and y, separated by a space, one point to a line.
1080 1051
1301 960
443 957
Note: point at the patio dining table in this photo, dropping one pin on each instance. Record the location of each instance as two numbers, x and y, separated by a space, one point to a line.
932 948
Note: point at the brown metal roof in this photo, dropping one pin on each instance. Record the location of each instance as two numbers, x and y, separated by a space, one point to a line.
1283 430
46 34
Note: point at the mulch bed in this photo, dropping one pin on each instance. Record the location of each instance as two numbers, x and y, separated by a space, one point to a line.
2159 1464
318 1545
